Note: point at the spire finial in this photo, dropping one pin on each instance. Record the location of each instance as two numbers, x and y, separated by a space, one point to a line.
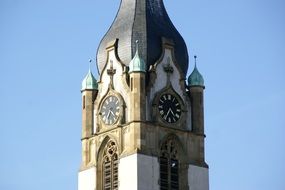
195 57
137 46
90 60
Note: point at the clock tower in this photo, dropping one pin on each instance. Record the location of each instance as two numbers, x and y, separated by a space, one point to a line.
143 119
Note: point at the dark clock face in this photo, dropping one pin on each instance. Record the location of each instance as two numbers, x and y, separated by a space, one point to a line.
169 108
110 110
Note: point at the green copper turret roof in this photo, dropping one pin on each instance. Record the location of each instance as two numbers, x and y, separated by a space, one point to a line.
137 64
89 82
195 78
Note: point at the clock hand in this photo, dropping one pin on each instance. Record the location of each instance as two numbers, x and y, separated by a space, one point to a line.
167 112
112 113
171 111
108 114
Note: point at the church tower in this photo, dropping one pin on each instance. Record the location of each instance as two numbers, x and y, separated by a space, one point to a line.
142 123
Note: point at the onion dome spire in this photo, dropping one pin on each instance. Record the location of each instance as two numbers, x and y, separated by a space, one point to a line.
195 78
137 64
148 22
89 82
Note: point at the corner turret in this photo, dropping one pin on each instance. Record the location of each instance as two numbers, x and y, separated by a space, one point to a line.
137 70
89 90
196 92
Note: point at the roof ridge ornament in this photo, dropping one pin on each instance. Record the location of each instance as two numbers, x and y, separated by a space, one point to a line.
168 69
111 72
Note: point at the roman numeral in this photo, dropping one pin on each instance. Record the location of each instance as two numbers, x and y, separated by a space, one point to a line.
169 97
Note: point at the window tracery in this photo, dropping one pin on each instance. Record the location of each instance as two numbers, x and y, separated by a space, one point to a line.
110 166
169 165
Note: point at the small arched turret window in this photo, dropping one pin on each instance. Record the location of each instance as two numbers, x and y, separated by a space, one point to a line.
83 102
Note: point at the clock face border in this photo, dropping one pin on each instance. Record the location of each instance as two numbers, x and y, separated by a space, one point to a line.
110 110
169 108
120 117
156 116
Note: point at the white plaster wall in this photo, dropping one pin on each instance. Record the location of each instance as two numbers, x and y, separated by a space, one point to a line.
87 179
138 172
161 82
161 79
148 172
198 178
128 179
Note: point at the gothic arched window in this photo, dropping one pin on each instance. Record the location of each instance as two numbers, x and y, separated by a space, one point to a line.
110 167
83 102
169 165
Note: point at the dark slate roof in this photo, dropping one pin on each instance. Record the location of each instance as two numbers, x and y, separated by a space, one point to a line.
146 21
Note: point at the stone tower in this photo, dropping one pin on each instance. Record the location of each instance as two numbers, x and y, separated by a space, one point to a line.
142 124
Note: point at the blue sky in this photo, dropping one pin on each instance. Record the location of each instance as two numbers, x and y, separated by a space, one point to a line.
44 52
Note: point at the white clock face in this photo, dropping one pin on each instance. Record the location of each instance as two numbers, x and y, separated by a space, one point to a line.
169 108
110 110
